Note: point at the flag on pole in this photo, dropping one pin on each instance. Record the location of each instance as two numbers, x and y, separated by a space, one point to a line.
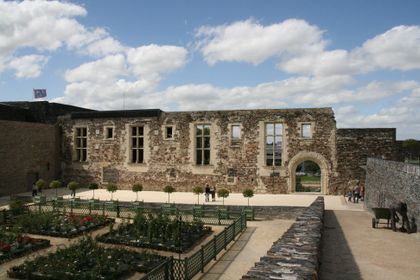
40 93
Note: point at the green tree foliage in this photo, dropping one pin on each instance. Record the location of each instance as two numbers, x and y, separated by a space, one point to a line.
93 187
223 193
137 188
248 193
198 190
40 184
169 189
112 188
55 184
73 186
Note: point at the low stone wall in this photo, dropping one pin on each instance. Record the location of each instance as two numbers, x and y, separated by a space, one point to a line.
388 182
296 255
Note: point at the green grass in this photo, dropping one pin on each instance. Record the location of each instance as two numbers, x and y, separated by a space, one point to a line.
309 178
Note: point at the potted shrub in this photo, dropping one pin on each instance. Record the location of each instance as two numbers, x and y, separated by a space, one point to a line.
73 186
248 193
55 184
93 187
169 190
111 188
198 190
137 188
223 193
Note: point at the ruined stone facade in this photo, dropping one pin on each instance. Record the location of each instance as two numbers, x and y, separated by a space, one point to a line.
98 146
235 164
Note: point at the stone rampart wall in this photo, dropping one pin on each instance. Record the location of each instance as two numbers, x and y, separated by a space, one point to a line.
388 182
296 255
27 151
354 146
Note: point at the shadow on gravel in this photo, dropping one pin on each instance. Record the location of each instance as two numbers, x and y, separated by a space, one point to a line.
337 261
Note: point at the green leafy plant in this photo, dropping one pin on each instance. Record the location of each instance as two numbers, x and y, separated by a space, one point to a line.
137 188
112 188
40 184
169 190
93 187
248 193
198 190
73 186
55 184
223 193
16 206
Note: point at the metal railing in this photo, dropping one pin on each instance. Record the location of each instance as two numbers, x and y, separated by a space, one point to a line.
187 268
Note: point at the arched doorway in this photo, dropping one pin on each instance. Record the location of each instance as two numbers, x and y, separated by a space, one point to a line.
308 177
319 160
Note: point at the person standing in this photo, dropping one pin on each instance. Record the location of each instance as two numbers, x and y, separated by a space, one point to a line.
362 192
213 193
34 189
356 193
207 192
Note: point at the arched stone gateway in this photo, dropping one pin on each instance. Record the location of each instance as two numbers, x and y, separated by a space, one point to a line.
311 156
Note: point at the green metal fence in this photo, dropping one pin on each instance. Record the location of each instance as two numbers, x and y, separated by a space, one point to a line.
187 268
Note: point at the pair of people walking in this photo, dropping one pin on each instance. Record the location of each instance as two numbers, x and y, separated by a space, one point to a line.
210 191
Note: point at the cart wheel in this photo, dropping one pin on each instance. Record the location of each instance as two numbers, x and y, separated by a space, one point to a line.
373 222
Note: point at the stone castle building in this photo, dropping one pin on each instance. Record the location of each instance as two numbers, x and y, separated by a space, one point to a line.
236 149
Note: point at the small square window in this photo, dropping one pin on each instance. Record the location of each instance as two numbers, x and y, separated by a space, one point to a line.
236 133
169 133
306 131
109 132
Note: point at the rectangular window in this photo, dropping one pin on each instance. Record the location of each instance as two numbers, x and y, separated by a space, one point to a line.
235 132
169 132
81 144
109 132
202 145
306 130
273 143
137 144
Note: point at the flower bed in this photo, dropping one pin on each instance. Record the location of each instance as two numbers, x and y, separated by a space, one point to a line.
56 224
86 260
13 245
157 231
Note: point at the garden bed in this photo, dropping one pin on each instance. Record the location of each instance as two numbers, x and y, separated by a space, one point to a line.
14 245
158 232
86 260
56 224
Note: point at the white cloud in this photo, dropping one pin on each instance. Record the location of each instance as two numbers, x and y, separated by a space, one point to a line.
28 66
156 59
249 41
45 26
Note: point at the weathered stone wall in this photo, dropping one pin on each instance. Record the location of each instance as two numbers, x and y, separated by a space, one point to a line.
388 182
296 255
354 146
171 161
27 150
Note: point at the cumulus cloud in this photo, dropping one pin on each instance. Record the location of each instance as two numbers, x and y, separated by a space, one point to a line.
28 66
128 77
301 49
45 26
249 41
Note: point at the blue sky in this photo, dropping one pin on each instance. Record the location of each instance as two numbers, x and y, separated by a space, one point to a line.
362 58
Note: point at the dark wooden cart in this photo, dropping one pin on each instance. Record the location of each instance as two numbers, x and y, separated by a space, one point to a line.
381 213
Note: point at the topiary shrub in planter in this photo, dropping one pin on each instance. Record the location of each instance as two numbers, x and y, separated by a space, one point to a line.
169 190
73 186
55 184
93 187
248 193
137 188
86 260
223 193
111 188
198 190
40 185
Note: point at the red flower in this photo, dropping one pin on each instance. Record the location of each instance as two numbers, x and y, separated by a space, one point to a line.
4 247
